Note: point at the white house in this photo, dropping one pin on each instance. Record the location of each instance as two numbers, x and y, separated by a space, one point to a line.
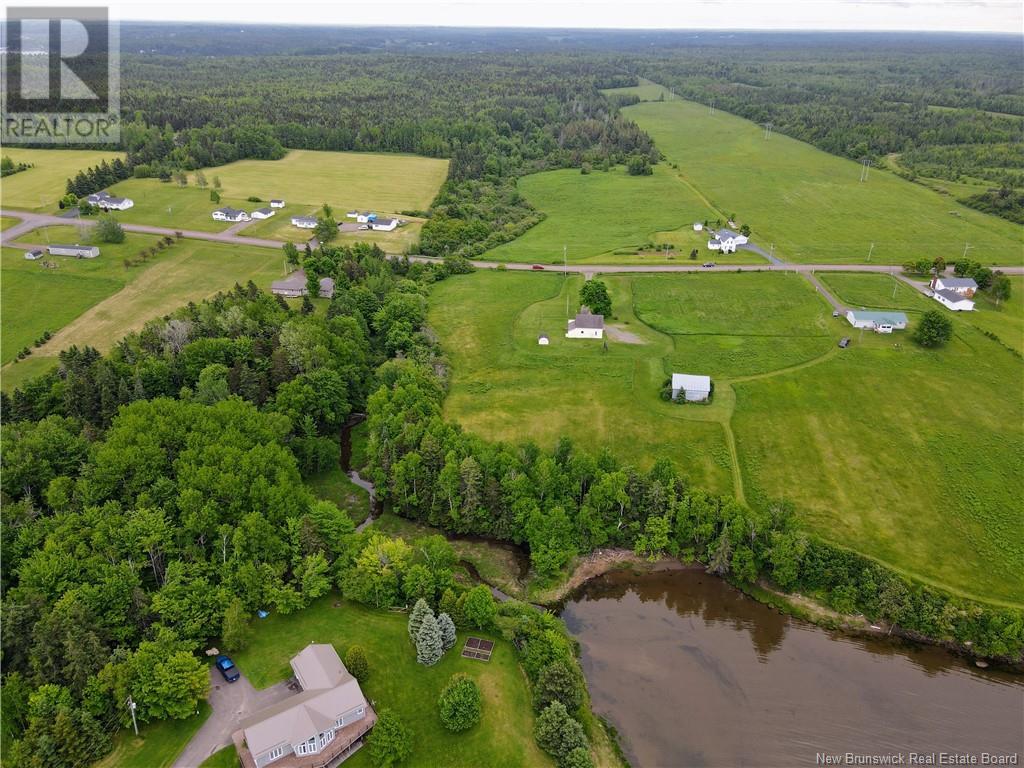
78 251
321 725
693 388
263 213
698 227
34 254
543 340
277 203
383 225
304 222
953 300
879 322
108 202
586 325
725 240
365 217
230 214
965 286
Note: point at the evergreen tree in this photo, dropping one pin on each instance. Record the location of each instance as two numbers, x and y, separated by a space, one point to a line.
558 733
357 663
449 605
447 626
428 642
557 682
416 616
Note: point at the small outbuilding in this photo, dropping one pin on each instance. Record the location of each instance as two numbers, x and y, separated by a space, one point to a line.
586 325
879 322
34 255
693 388
543 340
78 251
953 300
698 227
277 203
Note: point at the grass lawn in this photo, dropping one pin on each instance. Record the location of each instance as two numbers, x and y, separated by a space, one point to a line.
6 222
334 485
1006 319
504 736
872 290
364 180
42 186
646 91
163 204
600 213
279 227
811 204
157 745
506 387
97 301
222 758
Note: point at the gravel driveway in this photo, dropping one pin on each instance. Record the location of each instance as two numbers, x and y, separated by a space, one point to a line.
231 703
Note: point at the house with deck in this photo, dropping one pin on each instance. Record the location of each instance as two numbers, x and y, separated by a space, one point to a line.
321 725
585 325
726 241
879 322
230 214
383 225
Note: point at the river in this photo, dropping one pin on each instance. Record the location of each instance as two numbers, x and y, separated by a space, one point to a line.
694 673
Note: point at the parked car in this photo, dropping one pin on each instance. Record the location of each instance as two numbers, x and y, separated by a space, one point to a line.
844 342
227 668
835 313
536 266
708 264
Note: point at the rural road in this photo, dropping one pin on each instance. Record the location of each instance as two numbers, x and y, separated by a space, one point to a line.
31 221
231 704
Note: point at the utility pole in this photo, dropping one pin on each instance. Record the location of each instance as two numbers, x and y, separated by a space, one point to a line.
565 277
711 107
870 251
767 131
967 247
864 169
131 708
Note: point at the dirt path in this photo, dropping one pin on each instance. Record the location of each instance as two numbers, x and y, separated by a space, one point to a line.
620 334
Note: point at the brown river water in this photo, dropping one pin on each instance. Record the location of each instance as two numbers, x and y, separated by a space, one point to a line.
694 673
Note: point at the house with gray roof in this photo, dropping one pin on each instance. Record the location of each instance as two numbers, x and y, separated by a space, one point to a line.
263 213
879 322
107 201
34 255
586 325
383 225
954 300
726 241
295 286
78 251
322 725
227 213
304 222
965 286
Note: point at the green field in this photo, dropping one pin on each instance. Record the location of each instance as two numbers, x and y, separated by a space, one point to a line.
603 217
812 205
97 301
42 186
504 736
867 442
279 227
873 290
162 204
363 180
6 222
157 745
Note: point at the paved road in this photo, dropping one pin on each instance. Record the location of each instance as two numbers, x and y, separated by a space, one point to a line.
30 221
231 703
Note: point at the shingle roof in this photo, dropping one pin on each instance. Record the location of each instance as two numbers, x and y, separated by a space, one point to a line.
958 282
264 210
691 383
951 295
587 319
894 318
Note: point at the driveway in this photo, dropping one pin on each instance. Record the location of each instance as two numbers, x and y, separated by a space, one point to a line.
231 704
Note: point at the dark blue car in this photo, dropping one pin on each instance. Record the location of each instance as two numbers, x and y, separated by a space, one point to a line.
227 668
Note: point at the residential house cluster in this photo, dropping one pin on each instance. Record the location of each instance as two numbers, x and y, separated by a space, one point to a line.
725 240
227 213
955 293
109 202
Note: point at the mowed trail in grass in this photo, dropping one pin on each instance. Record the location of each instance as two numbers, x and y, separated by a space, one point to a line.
812 205
42 186
595 214
504 736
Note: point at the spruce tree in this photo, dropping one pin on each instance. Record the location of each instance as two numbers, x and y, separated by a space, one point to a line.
447 627
428 642
419 612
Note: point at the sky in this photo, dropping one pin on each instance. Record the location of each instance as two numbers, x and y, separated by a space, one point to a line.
1006 16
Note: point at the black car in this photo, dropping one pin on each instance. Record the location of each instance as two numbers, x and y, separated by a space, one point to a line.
844 342
227 668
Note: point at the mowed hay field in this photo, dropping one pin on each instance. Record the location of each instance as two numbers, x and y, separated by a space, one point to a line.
97 301
911 456
42 186
506 387
604 216
812 205
163 204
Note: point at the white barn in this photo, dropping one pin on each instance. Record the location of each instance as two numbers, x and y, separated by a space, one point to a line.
692 388
953 300
726 241
879 322
965 286
585 325
304 222
230 214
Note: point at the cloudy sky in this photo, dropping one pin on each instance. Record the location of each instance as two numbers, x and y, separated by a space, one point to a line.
947 15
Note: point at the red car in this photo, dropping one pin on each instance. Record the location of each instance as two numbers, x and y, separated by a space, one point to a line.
536 266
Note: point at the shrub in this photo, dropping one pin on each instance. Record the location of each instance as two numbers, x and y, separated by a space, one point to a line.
357 663
557 682
479 608
558 733
109 231
390 741
460 703
934 330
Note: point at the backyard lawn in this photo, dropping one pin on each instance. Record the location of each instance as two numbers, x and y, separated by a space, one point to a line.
504 736
812 205
157 745
162 204
334 485
874 291
44 184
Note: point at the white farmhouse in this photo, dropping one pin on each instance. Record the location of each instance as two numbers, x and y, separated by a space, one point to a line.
109 202
277 203
953 300
586 325
879 322
263 213
726 241
304 222
965 286
230 214
693 388
383 225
